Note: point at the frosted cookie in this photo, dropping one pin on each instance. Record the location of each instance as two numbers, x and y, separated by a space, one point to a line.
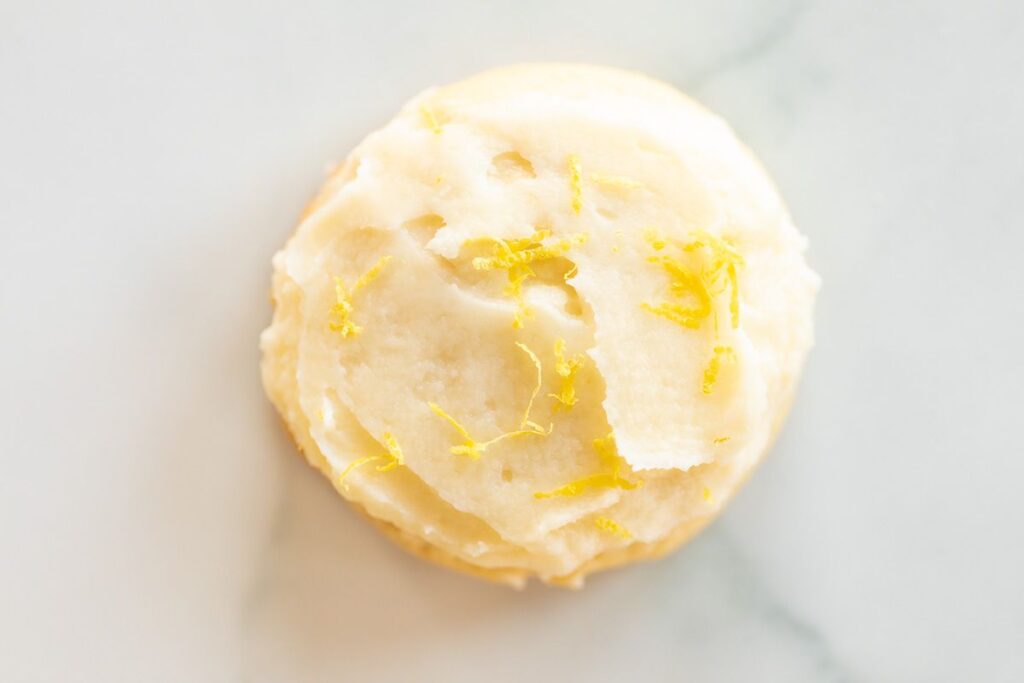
542 323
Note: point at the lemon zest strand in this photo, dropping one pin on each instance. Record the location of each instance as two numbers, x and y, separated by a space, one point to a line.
674 312
608 453
515 257
707 494
654 238
612 527
526 424
721 440
576 183
734 296
722 269
718 274
722 248
684 284
721 355
566 369
524 251
394 458
608 456
341 311
371 275
354 465
615 181
594 481
472 448
430 119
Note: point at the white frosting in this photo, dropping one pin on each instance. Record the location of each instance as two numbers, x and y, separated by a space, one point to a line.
437 330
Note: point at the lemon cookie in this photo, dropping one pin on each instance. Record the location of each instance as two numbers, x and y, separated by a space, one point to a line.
542 323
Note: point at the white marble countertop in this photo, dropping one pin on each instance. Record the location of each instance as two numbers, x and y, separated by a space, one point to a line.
156 524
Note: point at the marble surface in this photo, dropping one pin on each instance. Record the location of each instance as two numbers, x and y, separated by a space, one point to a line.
156 524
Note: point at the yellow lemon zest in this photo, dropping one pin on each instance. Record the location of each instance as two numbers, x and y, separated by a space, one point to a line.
371 275
526 425
524 251
615 181
354 465
576 183
341 311
438 180
684 284
718 273
654 238
393 458
674 312
721 270
469 446
722 354
722 249
515 257
566 369
430 119
608 453
472 448
707 494
594 481
612 527
609 457
721 440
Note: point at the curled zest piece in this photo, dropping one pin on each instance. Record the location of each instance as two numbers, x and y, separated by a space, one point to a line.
341 311
469 447
355 464
430 119
576 183
698 288
720 440
566 369
526 424
612 527
472 448
611 461
686 285
721 355
721 268
718 273
393 458
516 256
